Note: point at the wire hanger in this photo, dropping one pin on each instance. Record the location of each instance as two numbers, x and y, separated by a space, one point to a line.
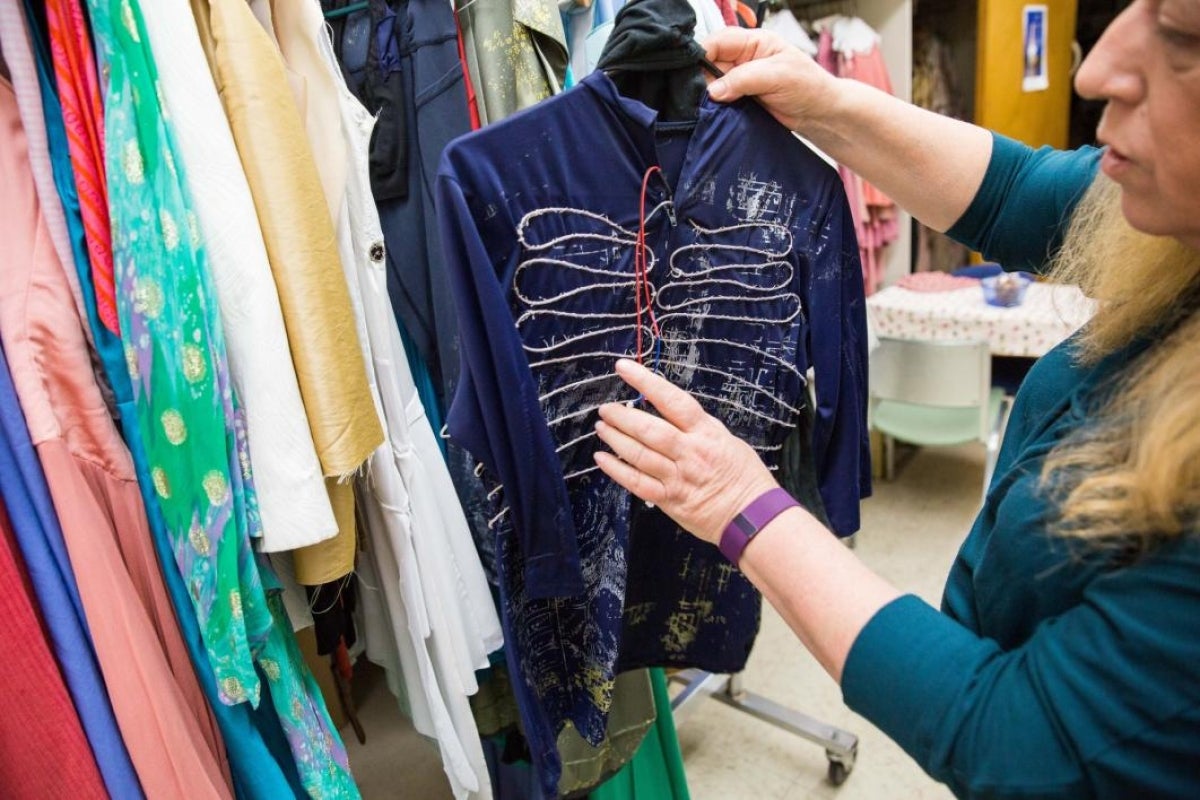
346 11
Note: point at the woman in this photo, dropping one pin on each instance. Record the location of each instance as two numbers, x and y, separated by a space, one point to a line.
1064 661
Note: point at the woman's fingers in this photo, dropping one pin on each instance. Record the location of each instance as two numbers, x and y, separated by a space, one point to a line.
676 406
654 432
638 483
635 452
731 46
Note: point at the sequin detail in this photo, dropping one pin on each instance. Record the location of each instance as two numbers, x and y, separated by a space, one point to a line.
232 688
174 427
148 298
199 539
216 487
131 162
170 231
162 487
270 668
194 367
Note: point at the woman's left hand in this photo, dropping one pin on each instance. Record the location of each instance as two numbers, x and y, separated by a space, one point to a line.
686 462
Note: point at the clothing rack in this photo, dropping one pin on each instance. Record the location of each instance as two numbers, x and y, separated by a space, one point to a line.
815 9
841 747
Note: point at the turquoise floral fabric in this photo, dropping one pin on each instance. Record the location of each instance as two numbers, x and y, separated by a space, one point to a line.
188 414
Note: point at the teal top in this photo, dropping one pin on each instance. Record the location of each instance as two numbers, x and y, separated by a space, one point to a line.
1052 670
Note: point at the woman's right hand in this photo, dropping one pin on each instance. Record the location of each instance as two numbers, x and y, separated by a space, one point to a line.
784 79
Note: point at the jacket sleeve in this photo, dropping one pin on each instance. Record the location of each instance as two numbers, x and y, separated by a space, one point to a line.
1020 214
495 413
1100 701
837 346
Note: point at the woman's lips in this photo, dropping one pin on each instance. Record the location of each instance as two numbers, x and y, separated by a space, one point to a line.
1114 162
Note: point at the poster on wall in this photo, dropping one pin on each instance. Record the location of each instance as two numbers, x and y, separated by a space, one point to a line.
1037 76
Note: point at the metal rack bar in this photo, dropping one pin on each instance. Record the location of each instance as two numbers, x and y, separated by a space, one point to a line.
841 747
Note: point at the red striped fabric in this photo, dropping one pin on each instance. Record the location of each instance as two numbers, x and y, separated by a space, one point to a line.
83 115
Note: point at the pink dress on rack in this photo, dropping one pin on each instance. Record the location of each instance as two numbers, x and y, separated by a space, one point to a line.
164 719
874 213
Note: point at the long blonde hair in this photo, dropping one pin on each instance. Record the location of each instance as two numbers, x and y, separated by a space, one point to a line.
1132 477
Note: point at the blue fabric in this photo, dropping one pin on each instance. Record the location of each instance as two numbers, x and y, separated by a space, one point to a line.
420 108
249 738
36 528
527 226
1057 669
425 388
978 271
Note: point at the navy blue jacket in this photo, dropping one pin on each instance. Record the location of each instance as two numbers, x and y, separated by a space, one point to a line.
753 270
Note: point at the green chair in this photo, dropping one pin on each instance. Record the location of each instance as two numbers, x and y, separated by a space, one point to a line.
935 394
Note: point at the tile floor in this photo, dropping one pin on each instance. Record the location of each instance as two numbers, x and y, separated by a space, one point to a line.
912 528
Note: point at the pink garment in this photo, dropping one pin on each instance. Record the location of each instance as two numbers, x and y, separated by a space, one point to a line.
935 282
164 719
728 11
18 55
874 213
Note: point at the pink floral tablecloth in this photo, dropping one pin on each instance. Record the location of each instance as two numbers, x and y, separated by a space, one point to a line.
1049 315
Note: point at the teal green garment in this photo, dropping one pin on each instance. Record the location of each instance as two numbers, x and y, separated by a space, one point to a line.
260 762
1019 215
188 417
656 771
1053 670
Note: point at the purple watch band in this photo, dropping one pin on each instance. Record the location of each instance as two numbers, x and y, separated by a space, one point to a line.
753 518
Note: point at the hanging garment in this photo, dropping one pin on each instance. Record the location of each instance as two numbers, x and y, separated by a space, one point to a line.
414 87
18 54
442 620
64 171
287 475
188 413
315 94
849 48
516 53
79 91
656 772
784 23
252 740
584 766
37 532
754 275
163 717
43 752
933 88
298 234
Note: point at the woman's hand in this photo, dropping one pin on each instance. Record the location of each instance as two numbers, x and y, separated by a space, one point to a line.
785 80
685 462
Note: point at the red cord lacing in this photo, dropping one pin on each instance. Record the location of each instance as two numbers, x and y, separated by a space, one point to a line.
641 270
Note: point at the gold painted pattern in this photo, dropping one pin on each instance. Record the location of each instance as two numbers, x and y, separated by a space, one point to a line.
174 427
199 539
195 369
131 162
148 298
216 487
162 487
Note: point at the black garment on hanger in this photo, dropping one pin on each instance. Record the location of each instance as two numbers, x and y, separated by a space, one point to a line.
652 56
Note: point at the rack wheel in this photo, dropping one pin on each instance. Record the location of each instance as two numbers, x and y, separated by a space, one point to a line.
837 773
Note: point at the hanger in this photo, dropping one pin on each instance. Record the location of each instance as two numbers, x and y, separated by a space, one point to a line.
346 11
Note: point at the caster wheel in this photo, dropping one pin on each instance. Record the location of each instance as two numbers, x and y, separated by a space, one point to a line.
837 773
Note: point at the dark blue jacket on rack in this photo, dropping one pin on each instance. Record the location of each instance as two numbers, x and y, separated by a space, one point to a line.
753 277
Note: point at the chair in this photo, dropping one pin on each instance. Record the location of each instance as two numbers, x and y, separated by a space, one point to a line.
935 394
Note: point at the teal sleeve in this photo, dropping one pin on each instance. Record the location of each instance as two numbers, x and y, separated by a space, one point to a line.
1101 701
1020 213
